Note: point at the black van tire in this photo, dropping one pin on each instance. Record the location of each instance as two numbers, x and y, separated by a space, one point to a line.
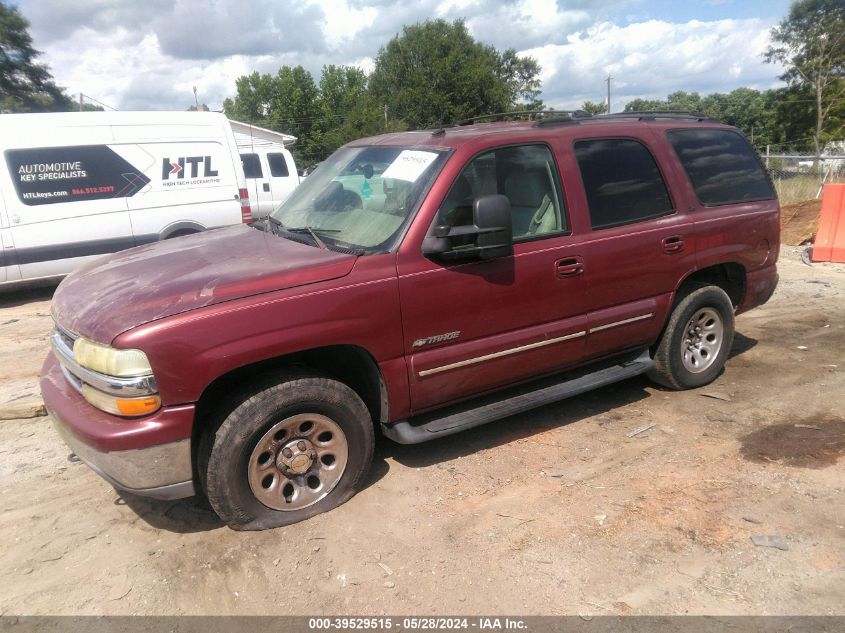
703 313
228 466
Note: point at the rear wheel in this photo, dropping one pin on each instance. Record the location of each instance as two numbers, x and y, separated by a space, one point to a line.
294 448
697 340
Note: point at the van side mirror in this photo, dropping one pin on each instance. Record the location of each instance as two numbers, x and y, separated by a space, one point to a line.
489 236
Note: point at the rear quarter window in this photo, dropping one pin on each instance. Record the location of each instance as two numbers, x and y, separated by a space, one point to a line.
722 167
278 166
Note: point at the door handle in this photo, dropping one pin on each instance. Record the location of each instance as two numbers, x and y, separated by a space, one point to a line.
569 267
266 186
673 244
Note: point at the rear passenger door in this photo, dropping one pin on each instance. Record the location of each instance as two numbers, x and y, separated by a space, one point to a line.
638 243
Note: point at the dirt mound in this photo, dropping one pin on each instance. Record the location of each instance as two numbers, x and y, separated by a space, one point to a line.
800 221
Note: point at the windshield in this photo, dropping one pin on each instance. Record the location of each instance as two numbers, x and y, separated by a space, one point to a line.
360 198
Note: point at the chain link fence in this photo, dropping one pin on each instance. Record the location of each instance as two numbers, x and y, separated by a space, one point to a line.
798 177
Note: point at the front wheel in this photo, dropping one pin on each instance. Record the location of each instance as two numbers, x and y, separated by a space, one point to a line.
697 340
295 448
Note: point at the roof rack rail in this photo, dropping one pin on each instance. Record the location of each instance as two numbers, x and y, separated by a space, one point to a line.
650 115
573 116
498 116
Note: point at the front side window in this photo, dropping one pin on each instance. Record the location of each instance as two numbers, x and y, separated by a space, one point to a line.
622 182
361 197
721 165
252 166
526 174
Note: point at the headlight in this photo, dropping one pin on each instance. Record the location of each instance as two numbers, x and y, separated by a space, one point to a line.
123 363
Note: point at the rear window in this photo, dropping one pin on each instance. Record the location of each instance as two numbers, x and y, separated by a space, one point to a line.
252 166
278 166
722 167
622 182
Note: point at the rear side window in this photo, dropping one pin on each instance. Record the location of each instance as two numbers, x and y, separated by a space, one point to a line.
278 166
252 166
721 165
622 182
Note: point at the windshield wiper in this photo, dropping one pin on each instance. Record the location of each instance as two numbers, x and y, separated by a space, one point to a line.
271 221
312 232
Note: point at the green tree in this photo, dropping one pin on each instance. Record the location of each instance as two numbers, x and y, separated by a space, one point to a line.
25 85
522 78
322 116
745 108
284 102
810 43
678 100
435 73
346 110
594 108
252 101
293 101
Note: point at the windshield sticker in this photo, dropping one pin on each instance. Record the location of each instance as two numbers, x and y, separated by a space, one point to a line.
409 165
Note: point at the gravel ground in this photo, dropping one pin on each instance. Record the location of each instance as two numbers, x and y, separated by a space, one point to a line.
557 511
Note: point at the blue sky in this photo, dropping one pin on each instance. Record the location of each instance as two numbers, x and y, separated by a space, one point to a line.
680 11
150 54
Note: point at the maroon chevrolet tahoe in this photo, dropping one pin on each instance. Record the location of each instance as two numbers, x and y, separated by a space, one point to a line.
418 285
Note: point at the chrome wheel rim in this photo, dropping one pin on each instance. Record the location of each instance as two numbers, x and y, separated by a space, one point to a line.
704 336
297 462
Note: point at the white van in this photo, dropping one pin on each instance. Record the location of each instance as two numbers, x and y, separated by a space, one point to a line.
75 186
269 168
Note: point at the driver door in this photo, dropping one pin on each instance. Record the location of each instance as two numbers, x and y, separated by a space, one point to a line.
475 325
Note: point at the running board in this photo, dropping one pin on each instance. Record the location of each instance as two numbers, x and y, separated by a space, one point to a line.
468 415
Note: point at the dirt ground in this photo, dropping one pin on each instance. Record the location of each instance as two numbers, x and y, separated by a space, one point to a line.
557 511
800 221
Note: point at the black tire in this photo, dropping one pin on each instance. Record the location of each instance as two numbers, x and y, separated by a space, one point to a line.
227 449
707 304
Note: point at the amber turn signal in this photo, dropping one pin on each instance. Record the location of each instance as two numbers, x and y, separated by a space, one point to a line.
140 406
128 407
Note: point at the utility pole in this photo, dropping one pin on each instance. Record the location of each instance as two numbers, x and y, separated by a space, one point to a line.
385 117
196 103
80 102
609 77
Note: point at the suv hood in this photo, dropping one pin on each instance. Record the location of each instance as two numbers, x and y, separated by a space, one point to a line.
115 293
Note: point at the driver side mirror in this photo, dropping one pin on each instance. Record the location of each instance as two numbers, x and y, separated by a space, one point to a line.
489 236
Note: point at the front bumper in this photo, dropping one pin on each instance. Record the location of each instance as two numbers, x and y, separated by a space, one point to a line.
148 456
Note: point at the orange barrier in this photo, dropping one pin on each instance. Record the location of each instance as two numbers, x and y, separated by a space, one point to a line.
830 238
